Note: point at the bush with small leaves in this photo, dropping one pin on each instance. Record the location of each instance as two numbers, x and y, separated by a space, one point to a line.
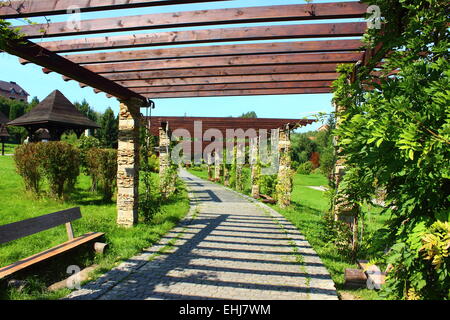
102 167
28 166
305 168
61 166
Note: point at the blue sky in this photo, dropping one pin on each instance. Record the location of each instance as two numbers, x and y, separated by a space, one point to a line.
33 80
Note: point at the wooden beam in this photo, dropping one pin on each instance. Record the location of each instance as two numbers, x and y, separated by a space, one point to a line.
236 86
341 10
43 57
34 8
223 71
221 50
329 30
229 79
252 92
291 58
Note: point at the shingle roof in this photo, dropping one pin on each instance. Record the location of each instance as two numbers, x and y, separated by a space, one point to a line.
56 109
8 86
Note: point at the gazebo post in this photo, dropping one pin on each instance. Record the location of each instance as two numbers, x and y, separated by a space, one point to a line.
284 185
128 163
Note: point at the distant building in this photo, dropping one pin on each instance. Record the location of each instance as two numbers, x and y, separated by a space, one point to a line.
325 127
12 90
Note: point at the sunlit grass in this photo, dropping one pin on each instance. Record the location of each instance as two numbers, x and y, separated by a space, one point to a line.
98 216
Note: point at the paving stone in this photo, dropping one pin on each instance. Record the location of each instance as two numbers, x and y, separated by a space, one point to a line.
228 247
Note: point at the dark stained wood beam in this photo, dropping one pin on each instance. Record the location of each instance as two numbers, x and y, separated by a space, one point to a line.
34 8
236 86
304 31
291 58
221 50
43 57
229 79
251 92
340 10
223 71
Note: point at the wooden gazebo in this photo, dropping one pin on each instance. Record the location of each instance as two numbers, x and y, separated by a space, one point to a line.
216 69
55 114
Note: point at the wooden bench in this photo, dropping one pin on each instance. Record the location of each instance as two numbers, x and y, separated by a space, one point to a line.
31 226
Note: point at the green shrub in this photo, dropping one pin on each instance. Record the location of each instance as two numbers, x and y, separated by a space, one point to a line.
305 168
84 144
102 167
295 165
108 173
92 161
28 166
61 166
268 184
153 162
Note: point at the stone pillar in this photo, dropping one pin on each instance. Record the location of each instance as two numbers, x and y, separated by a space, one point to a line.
209 166
128 163
343 208
284 179
226 169
164 144
240 158
256 170
166 182
217 166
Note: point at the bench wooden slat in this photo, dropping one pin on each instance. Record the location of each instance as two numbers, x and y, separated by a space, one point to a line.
66 246
20 229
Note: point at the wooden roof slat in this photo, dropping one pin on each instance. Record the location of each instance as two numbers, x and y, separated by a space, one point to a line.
33 52
33 8
341 10
223 71
218 50
347 29
290 58
251 92
236 86
230 79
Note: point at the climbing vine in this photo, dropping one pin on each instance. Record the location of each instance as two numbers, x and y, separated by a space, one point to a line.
395 136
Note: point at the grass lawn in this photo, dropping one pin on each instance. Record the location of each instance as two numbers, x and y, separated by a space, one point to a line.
307 212
97 216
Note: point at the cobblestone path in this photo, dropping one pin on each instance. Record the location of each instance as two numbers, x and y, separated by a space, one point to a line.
228 247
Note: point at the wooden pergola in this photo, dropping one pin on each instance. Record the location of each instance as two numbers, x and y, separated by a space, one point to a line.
137 72
197 127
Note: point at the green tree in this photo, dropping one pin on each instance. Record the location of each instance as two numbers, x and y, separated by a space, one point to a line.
397 137
302 146
250 114
34 102
86 109
109 129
